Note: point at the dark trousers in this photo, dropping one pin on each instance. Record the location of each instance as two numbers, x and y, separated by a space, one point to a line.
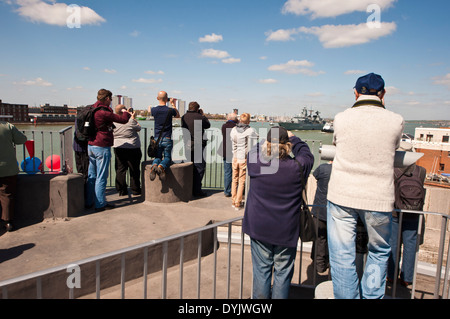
82 163
8 188
199 172
321 244
128 159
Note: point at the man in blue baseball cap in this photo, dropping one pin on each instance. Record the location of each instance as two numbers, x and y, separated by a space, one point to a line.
370 84
362 186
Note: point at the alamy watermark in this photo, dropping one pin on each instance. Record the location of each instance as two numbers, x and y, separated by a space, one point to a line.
374 20
74 19
74 279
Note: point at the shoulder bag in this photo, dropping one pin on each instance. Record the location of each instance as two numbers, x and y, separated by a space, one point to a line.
153 145
307 225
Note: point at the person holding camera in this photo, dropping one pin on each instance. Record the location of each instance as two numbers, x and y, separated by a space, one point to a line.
195 123
99 150
272 213
127 150
163 115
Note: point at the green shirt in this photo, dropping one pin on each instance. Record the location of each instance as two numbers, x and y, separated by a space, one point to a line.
9 137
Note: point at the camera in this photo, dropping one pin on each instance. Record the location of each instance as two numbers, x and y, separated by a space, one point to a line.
131 110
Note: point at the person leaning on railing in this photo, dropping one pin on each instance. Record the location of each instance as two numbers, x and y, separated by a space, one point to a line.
9 137
272 211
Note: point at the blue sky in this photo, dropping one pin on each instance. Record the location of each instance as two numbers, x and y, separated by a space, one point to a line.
268 57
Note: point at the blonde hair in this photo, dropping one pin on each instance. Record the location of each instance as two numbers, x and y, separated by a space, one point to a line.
276 150
245 118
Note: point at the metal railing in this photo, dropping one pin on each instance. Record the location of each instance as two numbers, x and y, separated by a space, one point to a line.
46 145
242 285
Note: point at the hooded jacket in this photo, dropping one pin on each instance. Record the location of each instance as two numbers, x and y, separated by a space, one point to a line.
242 136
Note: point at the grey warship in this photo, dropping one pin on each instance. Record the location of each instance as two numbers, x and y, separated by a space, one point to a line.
306 121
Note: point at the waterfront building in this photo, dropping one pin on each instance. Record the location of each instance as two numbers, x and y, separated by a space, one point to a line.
14 113
52 113
121 99
435 144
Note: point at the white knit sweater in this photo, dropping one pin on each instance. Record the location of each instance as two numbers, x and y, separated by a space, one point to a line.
366 139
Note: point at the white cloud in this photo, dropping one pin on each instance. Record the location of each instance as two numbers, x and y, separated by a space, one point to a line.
147 81
392 90
282 35
354 72
53 13
442 80
211 38
154 72
295 67
331 8
338 36
218 54
35 82
110 71
215 54
268 81
86 68
135 34
231 60
315 94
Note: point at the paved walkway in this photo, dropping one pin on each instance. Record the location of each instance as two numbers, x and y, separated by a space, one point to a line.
58 242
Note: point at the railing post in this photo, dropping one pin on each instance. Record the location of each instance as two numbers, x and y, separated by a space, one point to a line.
440 257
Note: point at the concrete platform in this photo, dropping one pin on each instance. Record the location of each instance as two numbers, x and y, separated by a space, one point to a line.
55 242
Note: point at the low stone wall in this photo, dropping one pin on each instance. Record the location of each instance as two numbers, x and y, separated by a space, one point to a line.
43 196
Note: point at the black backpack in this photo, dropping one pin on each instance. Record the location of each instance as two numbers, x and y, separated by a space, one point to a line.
409 190
85 129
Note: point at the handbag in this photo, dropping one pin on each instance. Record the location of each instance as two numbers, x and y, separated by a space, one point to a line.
153 145
307 225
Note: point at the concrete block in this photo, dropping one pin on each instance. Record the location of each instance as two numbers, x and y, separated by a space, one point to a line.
176 188
44 196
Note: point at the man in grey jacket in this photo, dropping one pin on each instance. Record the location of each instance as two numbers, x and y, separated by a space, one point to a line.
362 184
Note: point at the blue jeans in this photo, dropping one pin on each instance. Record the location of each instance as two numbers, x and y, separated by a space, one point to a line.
99 159
164 153
342 246
410 225
267 258
228 176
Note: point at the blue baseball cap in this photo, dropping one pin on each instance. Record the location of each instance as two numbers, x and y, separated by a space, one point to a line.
370 84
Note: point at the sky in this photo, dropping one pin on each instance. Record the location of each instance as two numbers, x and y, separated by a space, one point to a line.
270 57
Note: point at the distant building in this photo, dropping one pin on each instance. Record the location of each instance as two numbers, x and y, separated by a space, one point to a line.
121 99
52 113
181 106
127 101
435 144
14 113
